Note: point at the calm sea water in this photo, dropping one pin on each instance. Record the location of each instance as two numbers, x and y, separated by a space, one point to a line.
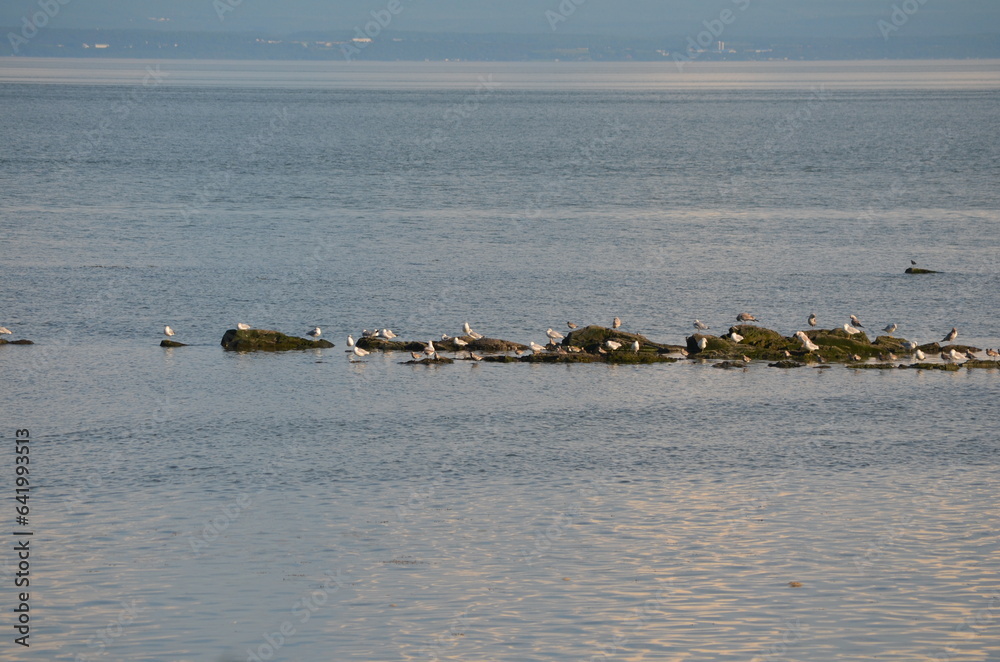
191 504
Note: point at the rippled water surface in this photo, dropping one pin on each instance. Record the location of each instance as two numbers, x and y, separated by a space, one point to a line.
193 504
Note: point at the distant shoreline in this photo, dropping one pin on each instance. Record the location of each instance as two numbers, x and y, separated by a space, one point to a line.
638 76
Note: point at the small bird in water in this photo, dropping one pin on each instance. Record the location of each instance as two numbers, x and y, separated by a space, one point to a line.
856 322
745 317
167 331
913 263
615 323
535 347
890 328
571 325
920 355
735 337
416 356
4 331
951 335
360 352
612 344
812 319
851 330
701 326
243 327
315 332
350 340
554 335
992 352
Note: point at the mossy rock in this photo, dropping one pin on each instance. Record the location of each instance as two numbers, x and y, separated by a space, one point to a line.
592 337
988 365
264 340
441 360
729 365
874 366
786 364
935 348
947 367
918 270
487 345
22 341
171 343
373 344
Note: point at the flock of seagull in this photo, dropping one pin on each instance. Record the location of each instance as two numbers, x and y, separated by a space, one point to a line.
430 351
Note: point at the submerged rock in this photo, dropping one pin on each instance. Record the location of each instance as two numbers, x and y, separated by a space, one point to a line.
975 363
22 341
171 343
917 270
947 367
264 340
786 364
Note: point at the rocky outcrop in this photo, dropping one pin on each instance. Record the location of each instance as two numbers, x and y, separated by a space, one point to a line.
22 341
264 340
592 338
171 343
917 270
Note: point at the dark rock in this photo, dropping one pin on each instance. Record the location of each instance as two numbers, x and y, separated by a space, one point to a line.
786 364
264 340
873 366
989 365
729 365
917 270
438 361
382 345
22 341
171 343
947 367
592 338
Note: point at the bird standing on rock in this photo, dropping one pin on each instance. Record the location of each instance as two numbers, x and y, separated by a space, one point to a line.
951 335
635 346
735 337
850 329
314 333
701 326
535 347
920 355
243 327
856 322
890 328
702 343
554 335
612 344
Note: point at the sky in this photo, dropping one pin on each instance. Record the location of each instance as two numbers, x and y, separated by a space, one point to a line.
641 18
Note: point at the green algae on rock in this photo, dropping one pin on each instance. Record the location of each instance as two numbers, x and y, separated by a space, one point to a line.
265 340
22 341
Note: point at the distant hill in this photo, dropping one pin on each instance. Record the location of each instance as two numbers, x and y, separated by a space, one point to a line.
416 46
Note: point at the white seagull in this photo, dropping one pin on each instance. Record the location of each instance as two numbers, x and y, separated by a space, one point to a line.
856 322
460 343
4 331
702 343
360 352
612 344
807 342
350 340
955 355
466 328
386 334
909 345
920 355
554 335
429 350
635 346
167 331
735 337
890 328
242 326
850 329
475 336
701 326
535 347
951 335
812 319
315 332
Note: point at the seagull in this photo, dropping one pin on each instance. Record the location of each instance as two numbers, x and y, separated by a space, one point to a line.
807 342
445 336
365 333
702 343
701 326
243 326
315 332
520 352
746 359
735 337
460 343
466 328
909 345
535 347
475 357
571 325
167 331
4 331
856 322
951 335
850 329
957 356
615 323
612 344
920 355
416 356
475 336
889 328
812 319
386 334
683 352
350 341
745 317
554 335
429 350
360 352
635 346
913 263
